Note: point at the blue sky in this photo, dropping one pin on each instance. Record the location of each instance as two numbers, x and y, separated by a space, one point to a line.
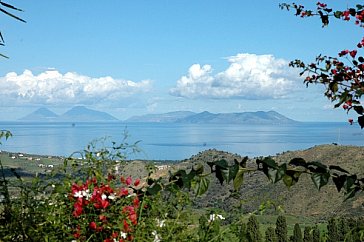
154 56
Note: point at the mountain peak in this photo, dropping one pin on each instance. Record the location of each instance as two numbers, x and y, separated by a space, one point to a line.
41 114
75 114
83 114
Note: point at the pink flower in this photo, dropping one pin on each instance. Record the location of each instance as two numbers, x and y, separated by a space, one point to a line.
128 181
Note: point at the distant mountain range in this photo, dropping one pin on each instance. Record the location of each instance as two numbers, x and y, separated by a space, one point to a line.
83 114
260 117
76 114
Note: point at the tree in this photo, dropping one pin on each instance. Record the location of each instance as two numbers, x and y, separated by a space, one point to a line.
297 233
342 76
281 229
252 230
270 235
316 234
307 236
342 228
332 233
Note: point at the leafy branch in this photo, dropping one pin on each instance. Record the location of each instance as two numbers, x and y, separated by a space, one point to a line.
342 76
6 9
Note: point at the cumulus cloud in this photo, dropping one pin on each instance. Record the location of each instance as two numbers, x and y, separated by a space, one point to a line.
248 76
52 87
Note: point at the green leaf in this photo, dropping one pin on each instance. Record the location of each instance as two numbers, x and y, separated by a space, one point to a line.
339 181
221 174
338 14
361 121
350 181
317 167
12 15
198 168
334 87
320 179
221 164
153 190
291 177
10 6
239 178
351 193
4 56
233 170
359 109
338 168
202 185
298 162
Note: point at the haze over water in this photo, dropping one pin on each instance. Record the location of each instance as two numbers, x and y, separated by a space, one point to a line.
177 141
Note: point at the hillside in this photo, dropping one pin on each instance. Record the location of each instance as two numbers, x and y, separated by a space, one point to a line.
303 199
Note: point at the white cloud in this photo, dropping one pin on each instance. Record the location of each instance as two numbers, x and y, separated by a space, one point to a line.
52 87
248 76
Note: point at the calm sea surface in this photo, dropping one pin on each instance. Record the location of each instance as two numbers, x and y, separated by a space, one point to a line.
178 141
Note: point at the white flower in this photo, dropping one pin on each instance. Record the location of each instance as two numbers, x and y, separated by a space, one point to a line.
111 197
157 238
161 223
214 217
123 235
103 197
86 194
78 194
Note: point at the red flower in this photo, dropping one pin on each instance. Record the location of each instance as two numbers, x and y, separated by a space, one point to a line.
93 226
137 182
129 210
102 218
136 202
77 208
123 192
346 15
353 53
343 52
101 203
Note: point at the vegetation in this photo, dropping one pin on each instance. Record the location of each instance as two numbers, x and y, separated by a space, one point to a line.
90 199
297 233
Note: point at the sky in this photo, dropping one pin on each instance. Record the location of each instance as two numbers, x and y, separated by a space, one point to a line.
154 56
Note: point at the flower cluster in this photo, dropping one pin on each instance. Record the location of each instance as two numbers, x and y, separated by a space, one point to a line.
214 217
108 211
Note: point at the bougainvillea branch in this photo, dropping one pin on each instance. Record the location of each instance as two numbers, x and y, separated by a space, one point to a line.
342 76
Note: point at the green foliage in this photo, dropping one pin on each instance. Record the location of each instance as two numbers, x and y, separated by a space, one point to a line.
252 230
297 233
307 235
270 235
316 235
332 230
281 229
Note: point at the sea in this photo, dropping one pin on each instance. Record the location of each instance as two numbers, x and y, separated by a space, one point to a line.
171 141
